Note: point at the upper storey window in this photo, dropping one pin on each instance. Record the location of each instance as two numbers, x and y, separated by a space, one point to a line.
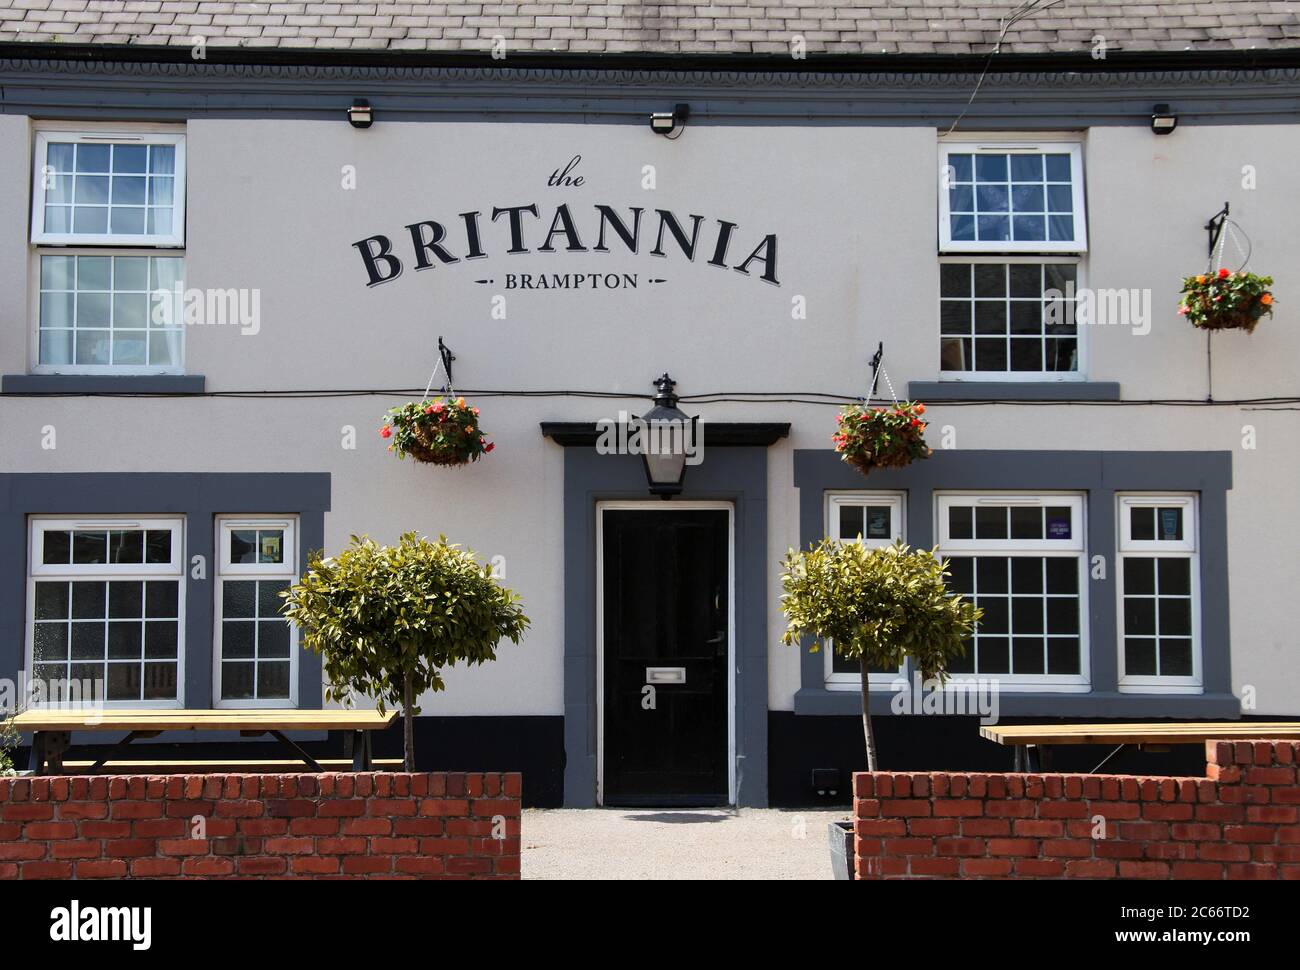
108 225
109 189
1005 198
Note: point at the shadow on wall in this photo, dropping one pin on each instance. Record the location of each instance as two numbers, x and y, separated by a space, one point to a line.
533 746
798 745
682 818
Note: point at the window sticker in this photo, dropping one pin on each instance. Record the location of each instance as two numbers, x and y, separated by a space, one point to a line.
878 522
271 546
1171 525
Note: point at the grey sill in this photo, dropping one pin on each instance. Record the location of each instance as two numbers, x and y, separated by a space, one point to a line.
1024 704
1013 391
102 384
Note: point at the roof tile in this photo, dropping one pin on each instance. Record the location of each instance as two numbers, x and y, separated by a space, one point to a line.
716 26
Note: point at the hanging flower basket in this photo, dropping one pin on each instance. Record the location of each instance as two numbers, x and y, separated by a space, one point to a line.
436 432
878 437
1226 300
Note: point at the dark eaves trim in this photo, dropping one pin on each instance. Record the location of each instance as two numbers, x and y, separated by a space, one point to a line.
1062 62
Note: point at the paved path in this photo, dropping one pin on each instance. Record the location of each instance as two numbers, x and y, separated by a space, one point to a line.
676 843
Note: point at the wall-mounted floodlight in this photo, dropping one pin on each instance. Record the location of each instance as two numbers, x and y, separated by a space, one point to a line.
360 115
1163 121
667 122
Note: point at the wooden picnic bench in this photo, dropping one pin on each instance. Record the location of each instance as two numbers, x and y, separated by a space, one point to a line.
52 729
1033 742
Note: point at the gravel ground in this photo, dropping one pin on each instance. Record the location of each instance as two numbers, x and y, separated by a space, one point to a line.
672 843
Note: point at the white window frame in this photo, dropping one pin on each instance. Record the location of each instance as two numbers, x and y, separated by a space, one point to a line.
835 501
993 145
38 525
244 572
114 370
1186 548
1074 547
146 135
1021 376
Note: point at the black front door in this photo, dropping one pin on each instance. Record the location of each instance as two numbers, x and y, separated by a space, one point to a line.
666 607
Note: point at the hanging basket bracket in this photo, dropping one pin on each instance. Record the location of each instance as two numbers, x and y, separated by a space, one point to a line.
446 356
1215 228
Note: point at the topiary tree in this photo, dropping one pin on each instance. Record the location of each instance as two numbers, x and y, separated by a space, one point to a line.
876 606
387 619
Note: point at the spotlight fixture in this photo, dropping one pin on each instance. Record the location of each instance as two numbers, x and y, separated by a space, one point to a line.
667 122
1163 121
360 115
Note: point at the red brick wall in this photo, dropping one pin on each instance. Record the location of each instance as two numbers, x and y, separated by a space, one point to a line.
380 825
1238 822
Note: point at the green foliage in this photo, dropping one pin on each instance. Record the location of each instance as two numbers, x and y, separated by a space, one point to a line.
9 740
440 431
875 437
375 613
883 604
1226 300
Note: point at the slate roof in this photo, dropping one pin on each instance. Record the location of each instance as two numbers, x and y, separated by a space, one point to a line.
623 26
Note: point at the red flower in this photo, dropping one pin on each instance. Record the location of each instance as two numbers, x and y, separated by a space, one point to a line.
429 409
489 447
1224 274
1182 310
385 432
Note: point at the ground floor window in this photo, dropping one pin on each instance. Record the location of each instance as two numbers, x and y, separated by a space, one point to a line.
256 659
1159 614
874 519
105 607
1020 558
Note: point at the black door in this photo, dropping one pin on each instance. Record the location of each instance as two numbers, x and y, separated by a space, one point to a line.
666 676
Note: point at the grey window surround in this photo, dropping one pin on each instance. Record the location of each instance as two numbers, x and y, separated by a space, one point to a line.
200 497
1100 474
733 474
57 384
1030 390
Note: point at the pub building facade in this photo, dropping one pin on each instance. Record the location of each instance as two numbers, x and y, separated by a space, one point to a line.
234 234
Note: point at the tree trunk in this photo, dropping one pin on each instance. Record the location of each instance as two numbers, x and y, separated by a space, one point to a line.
408 718
867 733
